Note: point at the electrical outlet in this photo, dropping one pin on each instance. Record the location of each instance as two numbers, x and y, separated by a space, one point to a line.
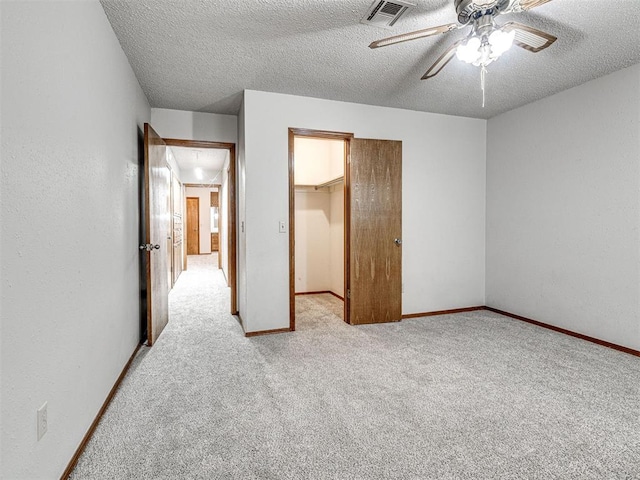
282 227
42 420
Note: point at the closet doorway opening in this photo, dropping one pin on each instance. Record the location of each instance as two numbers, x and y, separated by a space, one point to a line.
318 243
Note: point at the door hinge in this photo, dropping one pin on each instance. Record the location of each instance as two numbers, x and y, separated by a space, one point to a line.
348 293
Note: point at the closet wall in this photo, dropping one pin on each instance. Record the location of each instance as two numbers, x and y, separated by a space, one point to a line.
319 216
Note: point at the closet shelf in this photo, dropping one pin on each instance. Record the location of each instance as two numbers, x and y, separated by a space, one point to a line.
330 183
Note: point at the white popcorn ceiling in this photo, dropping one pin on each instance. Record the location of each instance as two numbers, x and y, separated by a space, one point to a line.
199 55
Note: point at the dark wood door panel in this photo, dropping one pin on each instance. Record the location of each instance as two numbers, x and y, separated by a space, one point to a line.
375 223
157 198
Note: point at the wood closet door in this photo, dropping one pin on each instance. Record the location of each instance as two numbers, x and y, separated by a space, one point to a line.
375 232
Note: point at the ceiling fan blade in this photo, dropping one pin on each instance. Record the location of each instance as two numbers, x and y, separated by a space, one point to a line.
529 4
442 61
405 37
524 5
529 38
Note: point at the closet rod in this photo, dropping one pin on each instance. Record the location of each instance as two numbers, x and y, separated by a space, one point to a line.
330 183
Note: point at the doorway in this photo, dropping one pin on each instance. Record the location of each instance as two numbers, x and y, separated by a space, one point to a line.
210 166
317 228
372 212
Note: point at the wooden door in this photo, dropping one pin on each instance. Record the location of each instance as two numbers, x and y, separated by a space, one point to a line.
374 290
193 226
157 186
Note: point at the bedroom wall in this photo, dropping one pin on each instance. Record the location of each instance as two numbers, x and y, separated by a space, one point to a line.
563 209
443 199
72 117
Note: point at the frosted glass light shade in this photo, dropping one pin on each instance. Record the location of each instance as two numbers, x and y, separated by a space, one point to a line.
470 51
500 42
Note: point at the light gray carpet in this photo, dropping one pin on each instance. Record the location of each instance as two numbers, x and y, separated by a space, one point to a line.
473 395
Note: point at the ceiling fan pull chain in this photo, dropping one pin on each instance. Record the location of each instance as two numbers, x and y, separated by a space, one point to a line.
483 74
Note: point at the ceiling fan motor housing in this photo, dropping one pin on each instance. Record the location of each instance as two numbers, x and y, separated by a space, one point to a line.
469 10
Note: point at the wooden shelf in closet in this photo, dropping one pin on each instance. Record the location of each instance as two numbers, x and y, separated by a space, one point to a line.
327 184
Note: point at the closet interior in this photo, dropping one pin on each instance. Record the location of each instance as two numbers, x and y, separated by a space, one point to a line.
319 216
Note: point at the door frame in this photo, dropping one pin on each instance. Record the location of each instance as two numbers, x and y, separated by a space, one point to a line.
197 199
232 207
323 135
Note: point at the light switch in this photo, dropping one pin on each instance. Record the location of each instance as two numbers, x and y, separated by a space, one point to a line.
282 227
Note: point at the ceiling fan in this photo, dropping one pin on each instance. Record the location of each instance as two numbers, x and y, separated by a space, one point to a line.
486 41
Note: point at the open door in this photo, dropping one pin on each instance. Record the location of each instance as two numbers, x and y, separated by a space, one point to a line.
158 236
374 229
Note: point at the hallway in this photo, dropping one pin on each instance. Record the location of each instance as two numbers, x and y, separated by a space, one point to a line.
169 395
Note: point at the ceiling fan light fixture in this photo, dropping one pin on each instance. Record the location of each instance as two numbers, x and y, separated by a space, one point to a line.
470 51
501 41
484 49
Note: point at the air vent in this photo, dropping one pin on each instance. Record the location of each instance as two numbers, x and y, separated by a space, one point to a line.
385 13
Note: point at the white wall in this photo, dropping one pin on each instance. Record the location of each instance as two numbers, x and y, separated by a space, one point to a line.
563 202
185 125
242 237
204 196
72 113
443 199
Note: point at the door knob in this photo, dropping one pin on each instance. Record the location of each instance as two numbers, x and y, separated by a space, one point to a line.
398 241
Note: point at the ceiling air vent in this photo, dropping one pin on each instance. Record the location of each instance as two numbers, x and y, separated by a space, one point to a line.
385 13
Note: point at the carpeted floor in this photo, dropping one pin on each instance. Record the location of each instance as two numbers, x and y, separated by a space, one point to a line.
472 395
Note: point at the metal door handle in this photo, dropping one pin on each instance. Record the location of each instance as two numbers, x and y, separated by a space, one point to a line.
398 241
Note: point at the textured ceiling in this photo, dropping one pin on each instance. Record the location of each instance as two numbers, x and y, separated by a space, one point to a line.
199 55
